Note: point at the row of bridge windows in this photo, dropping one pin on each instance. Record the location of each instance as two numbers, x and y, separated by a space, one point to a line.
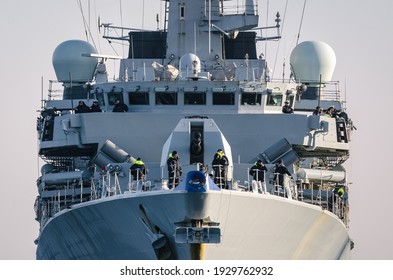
191 98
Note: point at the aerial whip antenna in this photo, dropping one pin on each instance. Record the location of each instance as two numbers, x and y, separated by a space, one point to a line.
99 24
301 22
210 23
279 42
86 25
121 21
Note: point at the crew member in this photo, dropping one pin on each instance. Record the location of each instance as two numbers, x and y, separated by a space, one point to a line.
318 111
95 107
138 170
223 163
217 168
287 109
174 169
279 172
257 171
82 108
120 106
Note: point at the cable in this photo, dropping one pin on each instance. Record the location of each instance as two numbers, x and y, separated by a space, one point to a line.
121 24
86 25
301 22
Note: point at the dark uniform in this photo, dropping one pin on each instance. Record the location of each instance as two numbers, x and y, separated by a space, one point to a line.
280 170
82 108
217 168
318 111
221 162
286 109
174 169
95 107
120 106
337 199
138 170
257 171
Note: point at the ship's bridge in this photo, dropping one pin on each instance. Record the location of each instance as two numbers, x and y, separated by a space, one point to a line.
194 96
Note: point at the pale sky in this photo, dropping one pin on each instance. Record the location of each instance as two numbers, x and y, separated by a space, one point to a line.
358 31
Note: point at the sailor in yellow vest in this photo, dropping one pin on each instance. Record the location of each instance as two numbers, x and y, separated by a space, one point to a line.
223 164
139 172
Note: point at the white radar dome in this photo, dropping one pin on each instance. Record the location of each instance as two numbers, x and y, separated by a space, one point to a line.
71 63
312 61
190 62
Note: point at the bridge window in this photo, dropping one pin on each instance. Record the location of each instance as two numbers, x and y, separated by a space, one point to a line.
98 96
274 100
220 98
166 98
112 96
194 98
138 98
251 99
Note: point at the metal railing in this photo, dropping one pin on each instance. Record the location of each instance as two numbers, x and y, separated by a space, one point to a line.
109 185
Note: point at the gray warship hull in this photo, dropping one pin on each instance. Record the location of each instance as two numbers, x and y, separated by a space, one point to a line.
197 87
253 227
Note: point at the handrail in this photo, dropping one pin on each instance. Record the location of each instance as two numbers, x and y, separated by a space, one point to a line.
326 198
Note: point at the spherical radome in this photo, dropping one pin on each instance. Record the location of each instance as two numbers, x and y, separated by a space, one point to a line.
71 63
312 61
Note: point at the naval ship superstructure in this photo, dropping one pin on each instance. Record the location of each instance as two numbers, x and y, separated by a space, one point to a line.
196 86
